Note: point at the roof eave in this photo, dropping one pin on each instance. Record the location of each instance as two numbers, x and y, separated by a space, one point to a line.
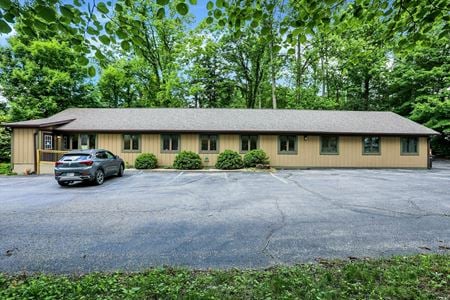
304 132
41 125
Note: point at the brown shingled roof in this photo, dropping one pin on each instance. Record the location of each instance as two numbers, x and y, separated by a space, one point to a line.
230 120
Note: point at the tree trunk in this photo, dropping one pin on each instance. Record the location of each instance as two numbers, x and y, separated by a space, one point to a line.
366 92
272 63
298 73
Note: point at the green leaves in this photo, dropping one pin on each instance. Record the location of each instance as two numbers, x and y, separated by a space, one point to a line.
5 4
162 2
182 8
83 61
102 8
66 10
46 12
104 39
91 71
4 27
125 45
161 13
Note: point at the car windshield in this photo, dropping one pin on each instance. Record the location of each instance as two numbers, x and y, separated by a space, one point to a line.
75 157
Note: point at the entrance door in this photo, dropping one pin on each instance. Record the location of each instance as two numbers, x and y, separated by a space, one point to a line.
48 145
87 141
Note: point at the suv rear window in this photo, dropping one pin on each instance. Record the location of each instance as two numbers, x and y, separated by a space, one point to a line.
75 157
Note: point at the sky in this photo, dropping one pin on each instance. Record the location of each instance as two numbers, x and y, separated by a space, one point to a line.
199 11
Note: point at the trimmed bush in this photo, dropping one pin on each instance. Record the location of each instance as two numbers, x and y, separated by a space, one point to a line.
229 160
255 157
187 160
146 161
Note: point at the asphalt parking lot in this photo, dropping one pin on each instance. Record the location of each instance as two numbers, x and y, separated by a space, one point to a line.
221 220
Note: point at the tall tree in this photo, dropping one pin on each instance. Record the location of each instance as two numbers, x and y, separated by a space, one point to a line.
206 71
43 78
248 57
155 38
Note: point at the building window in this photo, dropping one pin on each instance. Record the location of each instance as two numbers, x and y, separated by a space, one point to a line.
208 143
371 145
170 142
287 144
48 141
329 145
409 145
249 142
131 142
87 141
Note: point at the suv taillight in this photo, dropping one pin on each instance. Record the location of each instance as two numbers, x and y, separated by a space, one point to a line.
87 162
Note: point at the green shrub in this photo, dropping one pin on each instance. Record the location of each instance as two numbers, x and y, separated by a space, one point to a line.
229 160
146 161
187 160
5 169
255 157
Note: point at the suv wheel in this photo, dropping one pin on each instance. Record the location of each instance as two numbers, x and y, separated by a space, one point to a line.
120 173
99 177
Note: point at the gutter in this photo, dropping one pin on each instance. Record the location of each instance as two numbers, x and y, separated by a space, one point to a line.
12 148
36 135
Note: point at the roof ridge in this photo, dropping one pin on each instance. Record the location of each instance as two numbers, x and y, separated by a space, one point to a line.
224 108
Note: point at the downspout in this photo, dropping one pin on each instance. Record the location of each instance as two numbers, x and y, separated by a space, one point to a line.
36 132
429 155
12 148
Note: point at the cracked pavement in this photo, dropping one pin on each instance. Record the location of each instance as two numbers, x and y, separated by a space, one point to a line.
221 219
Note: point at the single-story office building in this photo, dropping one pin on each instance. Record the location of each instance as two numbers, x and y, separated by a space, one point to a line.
291 138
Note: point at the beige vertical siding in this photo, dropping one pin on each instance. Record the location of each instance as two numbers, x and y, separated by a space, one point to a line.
350 154
308 155
23 149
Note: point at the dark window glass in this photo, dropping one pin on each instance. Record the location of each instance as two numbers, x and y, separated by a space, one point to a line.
74 142
410 145
109 155
213 143
204 142
170 142
84 140
245 146
101 155
127 142
371 144
135 144
249 142
91 141
288 143
130 142
253 142
75 157
329 144
65 142
166 143
208 142
174 140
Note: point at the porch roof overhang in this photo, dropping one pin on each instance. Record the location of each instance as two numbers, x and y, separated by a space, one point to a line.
39 123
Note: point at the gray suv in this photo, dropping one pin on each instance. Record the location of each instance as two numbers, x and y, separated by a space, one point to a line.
92 165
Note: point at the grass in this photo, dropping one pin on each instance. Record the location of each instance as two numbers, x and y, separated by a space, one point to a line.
410 277
5 169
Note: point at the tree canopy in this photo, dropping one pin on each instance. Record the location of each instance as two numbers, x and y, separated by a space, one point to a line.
348 55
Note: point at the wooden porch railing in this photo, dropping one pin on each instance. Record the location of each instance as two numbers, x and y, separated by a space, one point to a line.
47 156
